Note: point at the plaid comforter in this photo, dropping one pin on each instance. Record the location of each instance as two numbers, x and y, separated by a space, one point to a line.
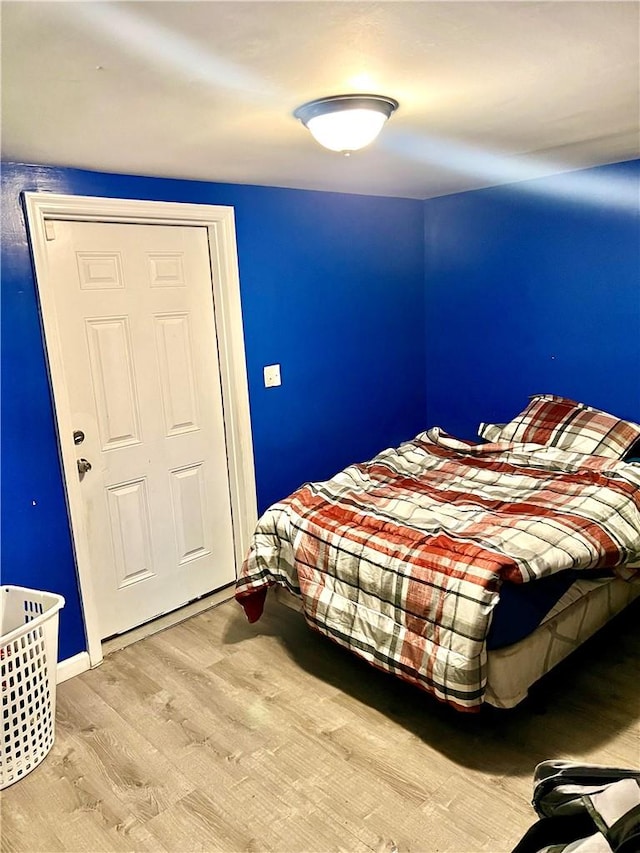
401 559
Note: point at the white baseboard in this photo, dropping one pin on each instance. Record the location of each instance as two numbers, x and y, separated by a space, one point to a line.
69 667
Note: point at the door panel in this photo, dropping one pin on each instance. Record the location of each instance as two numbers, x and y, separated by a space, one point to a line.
177 379
130 531
115 392
135 316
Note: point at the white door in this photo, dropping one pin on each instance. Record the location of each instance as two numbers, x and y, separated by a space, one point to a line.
136 324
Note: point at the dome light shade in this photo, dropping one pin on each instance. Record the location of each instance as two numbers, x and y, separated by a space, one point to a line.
346 122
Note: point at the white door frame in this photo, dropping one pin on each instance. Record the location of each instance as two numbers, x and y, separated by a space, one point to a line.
219 222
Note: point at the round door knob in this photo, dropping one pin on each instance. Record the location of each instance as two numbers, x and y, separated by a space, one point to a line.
83 466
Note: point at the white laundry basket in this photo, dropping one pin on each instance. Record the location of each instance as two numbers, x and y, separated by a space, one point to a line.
28 664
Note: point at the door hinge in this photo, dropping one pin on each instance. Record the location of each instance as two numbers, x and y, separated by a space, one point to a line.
49 229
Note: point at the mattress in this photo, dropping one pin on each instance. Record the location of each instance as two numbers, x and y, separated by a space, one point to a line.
524 606
584 608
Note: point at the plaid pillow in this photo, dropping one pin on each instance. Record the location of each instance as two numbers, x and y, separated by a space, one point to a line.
491 432
563 423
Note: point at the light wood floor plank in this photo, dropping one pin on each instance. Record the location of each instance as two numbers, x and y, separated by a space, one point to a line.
215 735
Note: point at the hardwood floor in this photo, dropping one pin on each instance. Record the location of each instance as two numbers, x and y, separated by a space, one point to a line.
215 735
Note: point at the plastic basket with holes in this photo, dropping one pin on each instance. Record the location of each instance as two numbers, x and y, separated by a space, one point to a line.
28 664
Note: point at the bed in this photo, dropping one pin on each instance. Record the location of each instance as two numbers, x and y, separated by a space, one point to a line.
407 559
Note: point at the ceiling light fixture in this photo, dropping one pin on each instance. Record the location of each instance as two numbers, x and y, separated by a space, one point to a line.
346 123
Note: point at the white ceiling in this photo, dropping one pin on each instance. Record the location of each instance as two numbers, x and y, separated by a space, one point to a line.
490 92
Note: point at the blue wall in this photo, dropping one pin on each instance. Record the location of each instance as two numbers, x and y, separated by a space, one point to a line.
332 288
534 287
525 288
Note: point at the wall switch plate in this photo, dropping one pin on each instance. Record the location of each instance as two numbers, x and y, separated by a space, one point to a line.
272 376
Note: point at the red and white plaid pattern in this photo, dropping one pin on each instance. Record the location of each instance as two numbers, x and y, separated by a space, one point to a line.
571 426
401 559
490 432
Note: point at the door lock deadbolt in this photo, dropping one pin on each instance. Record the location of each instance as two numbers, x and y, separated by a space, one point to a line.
78 436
